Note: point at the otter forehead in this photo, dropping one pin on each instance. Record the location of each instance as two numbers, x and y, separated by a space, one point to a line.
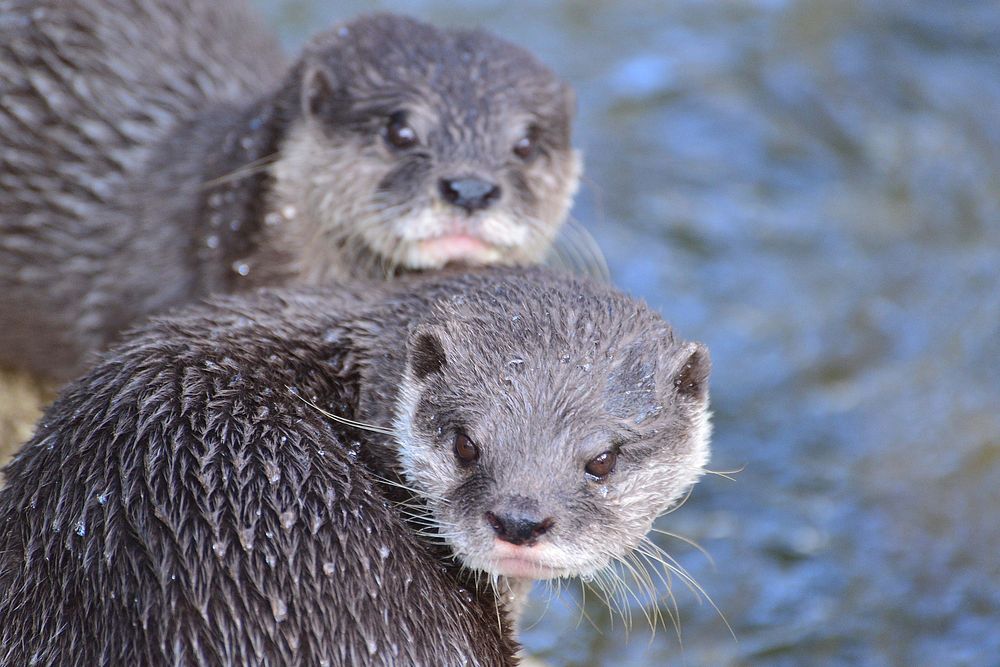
383 48
461 75
559 365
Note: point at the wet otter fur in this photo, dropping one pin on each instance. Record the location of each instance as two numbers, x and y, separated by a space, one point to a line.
187 501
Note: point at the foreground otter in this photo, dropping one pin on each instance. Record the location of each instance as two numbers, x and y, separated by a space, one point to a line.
152 152
185 502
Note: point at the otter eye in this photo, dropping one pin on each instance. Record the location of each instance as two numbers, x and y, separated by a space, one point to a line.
466 451
602 465
399 133
526 147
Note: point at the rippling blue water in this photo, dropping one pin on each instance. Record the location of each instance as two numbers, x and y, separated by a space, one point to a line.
812 187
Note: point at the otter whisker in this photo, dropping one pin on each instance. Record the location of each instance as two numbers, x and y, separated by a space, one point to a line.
629 591
422 495
687 541
654 552
584 255
244 171
672 611
342 420
680 504
725 474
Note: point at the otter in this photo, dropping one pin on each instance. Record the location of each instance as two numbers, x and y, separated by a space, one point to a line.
156 151
246 481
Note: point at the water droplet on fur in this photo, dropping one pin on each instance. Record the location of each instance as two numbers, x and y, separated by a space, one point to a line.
272 219
81 528
329 568
218 549
212 242
56 528
603 492
272 472
235 224
241 267
246 142
372 647
279 609
515 319
271 560
215 219
466 595
289 212
287 519
215 200
101 499
383 551
246 538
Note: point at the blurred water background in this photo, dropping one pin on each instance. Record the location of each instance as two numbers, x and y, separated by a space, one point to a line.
812 187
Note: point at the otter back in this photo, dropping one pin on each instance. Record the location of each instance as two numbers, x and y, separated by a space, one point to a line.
179 506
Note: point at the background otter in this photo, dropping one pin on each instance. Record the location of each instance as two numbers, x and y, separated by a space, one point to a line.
155 151
151 153
185 486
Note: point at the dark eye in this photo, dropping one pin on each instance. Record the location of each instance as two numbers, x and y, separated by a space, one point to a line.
466 451
602 465
526 147
399 133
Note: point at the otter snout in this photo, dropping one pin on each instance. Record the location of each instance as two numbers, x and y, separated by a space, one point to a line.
472 194
519 525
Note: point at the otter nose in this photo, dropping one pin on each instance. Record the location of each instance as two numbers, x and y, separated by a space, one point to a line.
472 194
519 528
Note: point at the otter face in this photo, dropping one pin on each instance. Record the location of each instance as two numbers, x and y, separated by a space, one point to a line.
543 453
418 148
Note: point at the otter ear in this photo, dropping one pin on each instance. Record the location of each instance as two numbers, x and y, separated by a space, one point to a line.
426 354
319 90
691 377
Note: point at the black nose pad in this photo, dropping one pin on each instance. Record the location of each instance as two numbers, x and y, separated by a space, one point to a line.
472 194
519 528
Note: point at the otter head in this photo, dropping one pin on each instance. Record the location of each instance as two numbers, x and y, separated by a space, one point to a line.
549 432
416 147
